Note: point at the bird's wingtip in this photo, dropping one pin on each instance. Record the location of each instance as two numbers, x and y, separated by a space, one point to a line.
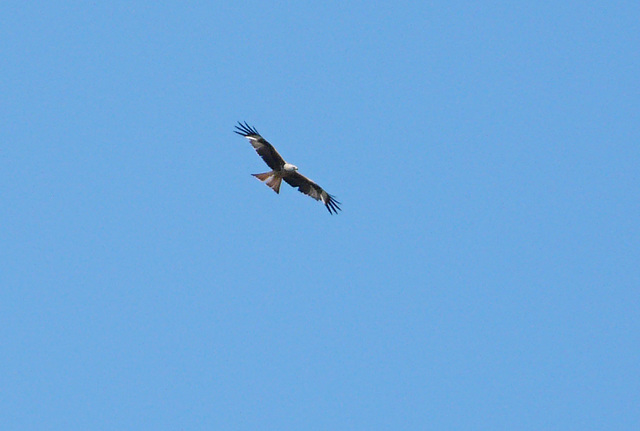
245 129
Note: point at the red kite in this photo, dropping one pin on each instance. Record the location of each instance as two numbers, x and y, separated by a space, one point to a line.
282 170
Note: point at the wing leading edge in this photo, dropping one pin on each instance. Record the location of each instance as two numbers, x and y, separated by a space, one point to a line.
309 188
262 147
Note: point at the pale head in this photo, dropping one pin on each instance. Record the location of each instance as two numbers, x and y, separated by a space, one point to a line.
289 167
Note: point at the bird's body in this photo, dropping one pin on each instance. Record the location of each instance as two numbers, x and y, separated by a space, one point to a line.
281 170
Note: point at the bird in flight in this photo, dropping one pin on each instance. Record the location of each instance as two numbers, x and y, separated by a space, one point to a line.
282 170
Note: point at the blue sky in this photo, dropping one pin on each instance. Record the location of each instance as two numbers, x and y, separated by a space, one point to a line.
484 273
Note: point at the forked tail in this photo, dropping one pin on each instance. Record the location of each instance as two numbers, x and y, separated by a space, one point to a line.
271 179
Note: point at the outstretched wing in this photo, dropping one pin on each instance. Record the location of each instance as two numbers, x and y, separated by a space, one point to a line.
262 147
308 187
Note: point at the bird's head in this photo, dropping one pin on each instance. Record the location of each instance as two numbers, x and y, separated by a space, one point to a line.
290 168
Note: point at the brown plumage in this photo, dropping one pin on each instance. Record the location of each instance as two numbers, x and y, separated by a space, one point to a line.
272 179
282 170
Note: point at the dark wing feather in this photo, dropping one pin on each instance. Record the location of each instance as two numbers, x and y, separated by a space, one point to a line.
262 147
308 187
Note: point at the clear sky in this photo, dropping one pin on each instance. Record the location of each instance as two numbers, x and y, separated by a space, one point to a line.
483 274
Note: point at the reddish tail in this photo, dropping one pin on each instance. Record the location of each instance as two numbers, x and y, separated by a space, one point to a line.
271 179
